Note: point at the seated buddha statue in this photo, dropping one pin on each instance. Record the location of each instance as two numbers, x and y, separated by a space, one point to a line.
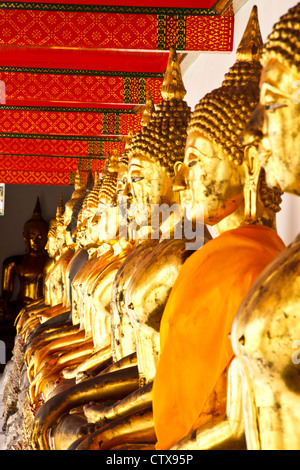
69 333
96 290
27 268
265 334
192 405
57 277
81 204
147 277
153 186
33 332
105 267
95 275
81 254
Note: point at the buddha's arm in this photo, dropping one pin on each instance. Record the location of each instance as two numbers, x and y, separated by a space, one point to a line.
78 352
35 346
42 315
89 363
8 280
45 381
58 345
112 386
135 428
136 401
224 432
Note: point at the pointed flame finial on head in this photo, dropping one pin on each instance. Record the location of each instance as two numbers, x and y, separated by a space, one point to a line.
128 139
79 180
114 161
60 208
148 109
173 87
251 45
105 166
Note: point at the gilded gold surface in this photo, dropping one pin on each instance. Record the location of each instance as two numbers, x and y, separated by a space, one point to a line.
225 187
149 181
117 295
265 333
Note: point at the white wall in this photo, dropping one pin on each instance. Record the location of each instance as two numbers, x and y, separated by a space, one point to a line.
208 70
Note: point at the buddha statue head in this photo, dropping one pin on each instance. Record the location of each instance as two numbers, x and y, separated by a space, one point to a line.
76 198
221 173
123 193
78 226
78 208
51 246
60 232
107 212
35 231
276 121
159 145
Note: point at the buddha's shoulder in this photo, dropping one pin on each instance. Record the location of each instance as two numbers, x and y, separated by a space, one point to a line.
11 261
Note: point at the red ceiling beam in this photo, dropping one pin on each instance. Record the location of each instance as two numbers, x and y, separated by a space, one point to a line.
67 121
114 27
29 87
90 61
59 146
134 3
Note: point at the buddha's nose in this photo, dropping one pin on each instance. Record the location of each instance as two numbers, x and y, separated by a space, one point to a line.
180 180
127 191
96 218
253 132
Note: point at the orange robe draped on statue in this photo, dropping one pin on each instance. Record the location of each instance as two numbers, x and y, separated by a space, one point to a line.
195 347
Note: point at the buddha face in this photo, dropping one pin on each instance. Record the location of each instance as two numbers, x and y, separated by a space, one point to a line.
52 246
151 185
278 121
80 234
215 183
37 239
108 226
123 198
89 233
60 236
67 220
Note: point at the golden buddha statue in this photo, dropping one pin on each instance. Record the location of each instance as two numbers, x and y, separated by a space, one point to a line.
71 333
155 176
192 405
28 268
265 333
53 251
147 275
101 275
81 254
57 278
59 313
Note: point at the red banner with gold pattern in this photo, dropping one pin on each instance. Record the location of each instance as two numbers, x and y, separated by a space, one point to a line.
34 177
76 73
68 121
30 86
43 170
46 161
113 27
60 147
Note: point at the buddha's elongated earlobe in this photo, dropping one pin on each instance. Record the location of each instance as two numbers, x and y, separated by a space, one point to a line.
252 170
